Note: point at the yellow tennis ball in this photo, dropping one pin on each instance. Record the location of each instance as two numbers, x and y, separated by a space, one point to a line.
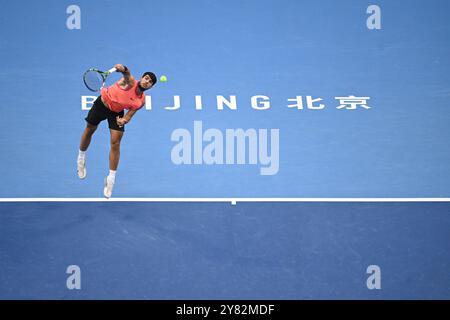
163 78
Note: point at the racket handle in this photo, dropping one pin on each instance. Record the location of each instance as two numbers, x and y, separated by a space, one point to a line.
112 70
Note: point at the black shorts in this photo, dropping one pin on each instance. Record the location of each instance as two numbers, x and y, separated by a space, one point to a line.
100 112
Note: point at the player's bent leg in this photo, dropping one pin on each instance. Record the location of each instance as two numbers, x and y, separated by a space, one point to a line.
84 144
86 136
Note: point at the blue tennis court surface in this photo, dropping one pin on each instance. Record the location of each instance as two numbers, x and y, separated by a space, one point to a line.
264 99
277 49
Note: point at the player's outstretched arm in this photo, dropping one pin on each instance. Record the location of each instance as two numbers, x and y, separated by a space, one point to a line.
127 79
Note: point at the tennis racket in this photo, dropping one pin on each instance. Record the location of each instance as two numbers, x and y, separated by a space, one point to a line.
94 79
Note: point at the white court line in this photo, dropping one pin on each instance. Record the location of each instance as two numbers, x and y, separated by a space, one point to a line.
232 200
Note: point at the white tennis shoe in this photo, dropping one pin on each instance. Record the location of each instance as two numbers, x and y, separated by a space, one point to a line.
108 188
81 168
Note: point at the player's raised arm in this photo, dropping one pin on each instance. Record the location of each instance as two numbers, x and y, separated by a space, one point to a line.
127 79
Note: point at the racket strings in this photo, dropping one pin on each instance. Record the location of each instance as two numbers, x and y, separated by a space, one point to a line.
93 80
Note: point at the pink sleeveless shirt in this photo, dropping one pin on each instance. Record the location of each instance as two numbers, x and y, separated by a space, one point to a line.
119 99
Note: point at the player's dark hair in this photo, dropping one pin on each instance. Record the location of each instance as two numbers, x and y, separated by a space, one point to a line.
151 75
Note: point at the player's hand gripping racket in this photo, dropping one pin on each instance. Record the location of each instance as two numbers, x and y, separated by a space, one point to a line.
94 79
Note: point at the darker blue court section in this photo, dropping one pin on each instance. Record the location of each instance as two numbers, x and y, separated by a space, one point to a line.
129 250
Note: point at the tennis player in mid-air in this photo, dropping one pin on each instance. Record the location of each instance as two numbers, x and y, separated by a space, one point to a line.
127 93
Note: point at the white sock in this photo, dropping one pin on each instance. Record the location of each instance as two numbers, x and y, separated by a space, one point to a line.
112 175
81 154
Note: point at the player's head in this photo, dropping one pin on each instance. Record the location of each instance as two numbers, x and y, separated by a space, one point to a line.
147 81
